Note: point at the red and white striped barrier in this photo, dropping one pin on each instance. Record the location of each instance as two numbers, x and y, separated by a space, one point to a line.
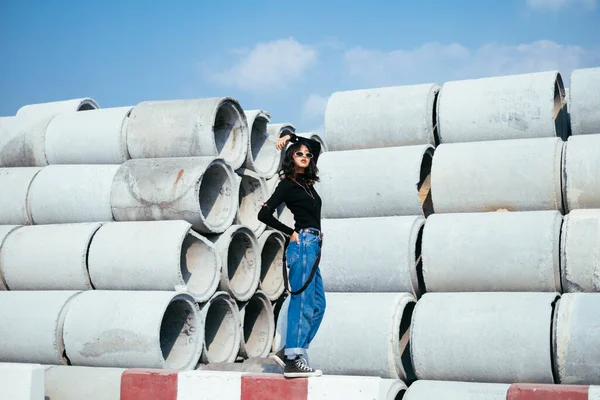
552 392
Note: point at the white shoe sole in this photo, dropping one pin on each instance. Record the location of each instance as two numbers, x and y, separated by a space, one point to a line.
303 374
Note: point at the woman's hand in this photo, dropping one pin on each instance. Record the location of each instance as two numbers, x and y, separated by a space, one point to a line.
282 142
294 237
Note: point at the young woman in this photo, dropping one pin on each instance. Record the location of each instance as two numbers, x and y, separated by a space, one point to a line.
307 298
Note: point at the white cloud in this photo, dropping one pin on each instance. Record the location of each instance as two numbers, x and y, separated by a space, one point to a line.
435 62
314 106
554 5
268 66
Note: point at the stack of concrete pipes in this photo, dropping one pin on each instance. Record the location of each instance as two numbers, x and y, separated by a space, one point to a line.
506 213
129 236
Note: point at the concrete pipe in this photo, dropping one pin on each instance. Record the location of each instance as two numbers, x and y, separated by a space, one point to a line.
381 117
581 172
96 137
483 337
32 326
222 329
62 194
240 255
492 252
428 390
511 175
278 130
134 329
271 245
48 257
387 259
15 183
374 340
257 326
577 344
5 230
156 255
262 156
584 101
503 107
317 137
189 128
253 193
22 141
375 182
200 190
40 110
580 251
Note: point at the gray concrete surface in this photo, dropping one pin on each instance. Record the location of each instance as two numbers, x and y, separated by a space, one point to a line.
22 141
502 107
381 117
21 381
40 110
584 101
82 383
200 190
512 175
581 164
253 194
262 156
189 128
279 128
580 252
15 183
5 230
257 326
62 194
94 137
492 252
48 257
430 390
483 337
222 329
154 255
385 260
271 245
32 326
133 329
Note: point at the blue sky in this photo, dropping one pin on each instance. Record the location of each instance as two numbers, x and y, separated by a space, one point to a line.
284 57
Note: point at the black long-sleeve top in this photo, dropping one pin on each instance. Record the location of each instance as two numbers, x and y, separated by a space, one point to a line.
301 199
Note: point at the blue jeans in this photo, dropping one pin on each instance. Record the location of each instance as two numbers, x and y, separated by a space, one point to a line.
306 309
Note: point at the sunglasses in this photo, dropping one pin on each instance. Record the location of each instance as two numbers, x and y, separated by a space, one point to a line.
300 154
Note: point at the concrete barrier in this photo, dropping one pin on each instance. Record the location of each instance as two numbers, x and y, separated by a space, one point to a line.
584 101
512 175
32 326
79 383
580 258
576 346
40 110
95 137
48 257
15 183
366 268
492 252
374 182
552 392
222 329
253 194
257 326
430 390
210 127
22 141
271 245
483 337
381 117
62 194
503 107
262 156
374 340
200 190
133 329
154 255
581 171
241 264
21 381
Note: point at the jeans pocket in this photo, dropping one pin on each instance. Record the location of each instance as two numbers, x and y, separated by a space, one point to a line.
292 253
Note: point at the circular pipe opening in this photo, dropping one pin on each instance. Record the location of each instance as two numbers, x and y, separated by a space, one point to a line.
560 109
263 152
421 288
424 186
216 195
221 338
87 105
404 343
241 264
251 197
258 326
229 132
178 332
400 394
198 268
436 135
271 274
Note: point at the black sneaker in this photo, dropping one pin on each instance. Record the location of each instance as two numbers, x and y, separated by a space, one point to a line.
279 358
298 368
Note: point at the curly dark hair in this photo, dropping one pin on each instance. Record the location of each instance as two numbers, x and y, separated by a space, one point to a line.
288 168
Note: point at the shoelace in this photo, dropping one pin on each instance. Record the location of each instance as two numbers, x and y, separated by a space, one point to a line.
302 366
